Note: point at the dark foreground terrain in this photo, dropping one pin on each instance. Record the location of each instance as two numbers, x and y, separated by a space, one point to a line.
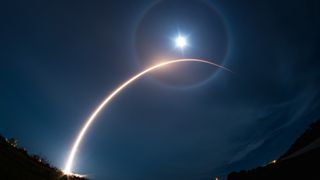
16 163
301 161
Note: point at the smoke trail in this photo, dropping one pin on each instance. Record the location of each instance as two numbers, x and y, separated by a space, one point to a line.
105 102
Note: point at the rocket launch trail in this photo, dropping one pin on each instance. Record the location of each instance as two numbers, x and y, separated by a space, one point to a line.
107 100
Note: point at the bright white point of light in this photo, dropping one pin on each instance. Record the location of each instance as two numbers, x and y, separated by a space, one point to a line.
181 42
74 174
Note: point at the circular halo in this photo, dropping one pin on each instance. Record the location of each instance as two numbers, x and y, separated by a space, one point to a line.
206 34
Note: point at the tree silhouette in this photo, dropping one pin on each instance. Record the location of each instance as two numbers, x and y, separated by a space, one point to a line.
13 142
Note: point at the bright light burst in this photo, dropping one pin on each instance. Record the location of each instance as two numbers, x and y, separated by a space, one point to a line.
181 42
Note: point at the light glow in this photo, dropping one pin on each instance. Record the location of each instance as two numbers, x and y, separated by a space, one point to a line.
181 42
104 103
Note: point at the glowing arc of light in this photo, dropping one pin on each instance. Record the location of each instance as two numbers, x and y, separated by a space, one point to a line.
89 121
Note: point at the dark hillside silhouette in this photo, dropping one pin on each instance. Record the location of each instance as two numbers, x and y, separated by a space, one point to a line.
309 136
16 163
301 161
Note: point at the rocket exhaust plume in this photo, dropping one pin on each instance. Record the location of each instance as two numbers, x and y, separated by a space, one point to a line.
104 103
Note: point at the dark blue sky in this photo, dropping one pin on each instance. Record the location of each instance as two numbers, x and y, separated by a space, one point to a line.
59 59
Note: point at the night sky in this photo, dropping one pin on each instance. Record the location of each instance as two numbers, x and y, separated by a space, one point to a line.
59 59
